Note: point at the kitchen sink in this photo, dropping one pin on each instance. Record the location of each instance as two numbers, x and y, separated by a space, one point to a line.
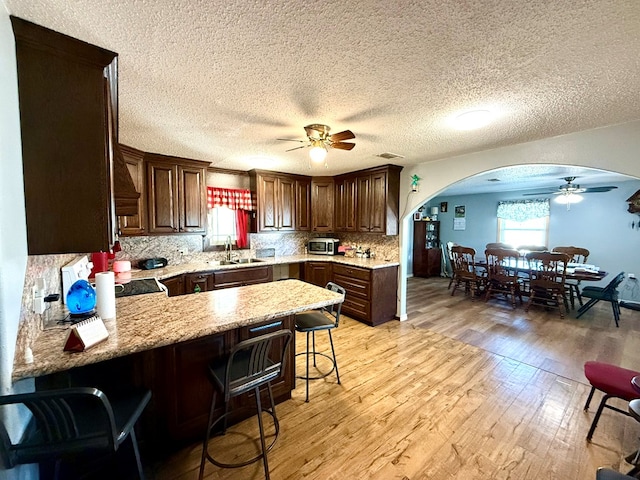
237 261
248 260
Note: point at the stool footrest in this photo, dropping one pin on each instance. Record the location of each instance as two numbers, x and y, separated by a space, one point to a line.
244 463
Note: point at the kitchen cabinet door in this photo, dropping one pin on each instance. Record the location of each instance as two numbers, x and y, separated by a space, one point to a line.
318 273
162 190
68 120
276 197
176 194
135 224
345 205
303 204
377 199
363 195
192 204
198 282
322 201
175 285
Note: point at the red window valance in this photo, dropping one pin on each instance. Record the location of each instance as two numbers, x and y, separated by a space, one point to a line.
230 198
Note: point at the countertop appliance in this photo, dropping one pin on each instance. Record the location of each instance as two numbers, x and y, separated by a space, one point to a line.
152 263
323 246
78 269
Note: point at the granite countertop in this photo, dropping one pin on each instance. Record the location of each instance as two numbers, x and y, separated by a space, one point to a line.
191 267
150 321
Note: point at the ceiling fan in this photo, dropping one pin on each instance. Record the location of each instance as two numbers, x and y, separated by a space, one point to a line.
571 188
319 140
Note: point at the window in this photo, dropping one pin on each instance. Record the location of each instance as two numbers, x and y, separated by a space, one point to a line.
528 232
222 224
523 222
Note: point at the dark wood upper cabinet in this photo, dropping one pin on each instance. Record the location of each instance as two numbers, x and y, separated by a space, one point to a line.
276 200
344 219
176 194
67 126
303 204
377 200
322 195
135 224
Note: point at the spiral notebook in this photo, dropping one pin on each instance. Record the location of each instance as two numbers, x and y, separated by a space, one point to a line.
86 334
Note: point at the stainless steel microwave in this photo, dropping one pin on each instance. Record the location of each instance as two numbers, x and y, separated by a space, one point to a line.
323 246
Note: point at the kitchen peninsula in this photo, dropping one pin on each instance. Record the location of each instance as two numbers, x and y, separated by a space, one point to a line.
164 344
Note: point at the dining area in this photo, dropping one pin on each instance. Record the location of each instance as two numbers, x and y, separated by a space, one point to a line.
533 276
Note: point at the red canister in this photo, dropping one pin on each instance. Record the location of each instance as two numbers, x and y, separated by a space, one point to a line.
100 262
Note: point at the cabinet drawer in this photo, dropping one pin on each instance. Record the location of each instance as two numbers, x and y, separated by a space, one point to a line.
242 276
357 308
354 287
353 272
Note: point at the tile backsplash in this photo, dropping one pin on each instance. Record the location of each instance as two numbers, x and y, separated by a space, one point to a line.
293 243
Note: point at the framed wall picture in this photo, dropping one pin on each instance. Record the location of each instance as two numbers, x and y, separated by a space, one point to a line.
460 211
443 207
417 216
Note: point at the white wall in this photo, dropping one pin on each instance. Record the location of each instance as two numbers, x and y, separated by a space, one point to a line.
613 148
13 235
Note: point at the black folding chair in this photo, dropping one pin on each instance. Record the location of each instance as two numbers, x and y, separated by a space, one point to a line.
607 294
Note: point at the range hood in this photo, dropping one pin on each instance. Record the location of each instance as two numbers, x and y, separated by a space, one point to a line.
124 191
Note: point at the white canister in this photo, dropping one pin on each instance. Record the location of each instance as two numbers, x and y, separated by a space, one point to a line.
106 295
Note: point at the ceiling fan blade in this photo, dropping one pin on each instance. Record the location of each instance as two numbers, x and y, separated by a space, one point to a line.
338 137
608 188
548 192
343 145
291 140
298 148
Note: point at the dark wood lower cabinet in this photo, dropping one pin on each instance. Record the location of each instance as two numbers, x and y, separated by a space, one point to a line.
175 285
371 293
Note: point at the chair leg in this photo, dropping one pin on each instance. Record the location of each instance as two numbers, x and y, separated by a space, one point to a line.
314 359
586 307
594 424
136 453
586 405
261 427
616 312
205 443
335 362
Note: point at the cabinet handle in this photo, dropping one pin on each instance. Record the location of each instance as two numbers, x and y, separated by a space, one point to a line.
265 327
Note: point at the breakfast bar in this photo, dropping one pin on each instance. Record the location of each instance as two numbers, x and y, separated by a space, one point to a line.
164 344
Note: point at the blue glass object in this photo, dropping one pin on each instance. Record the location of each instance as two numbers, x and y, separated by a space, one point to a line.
81 297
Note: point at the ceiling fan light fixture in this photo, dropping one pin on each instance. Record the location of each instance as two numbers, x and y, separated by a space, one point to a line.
569 198
318 154
473 119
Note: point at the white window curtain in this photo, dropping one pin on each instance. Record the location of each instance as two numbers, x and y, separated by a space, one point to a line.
523 210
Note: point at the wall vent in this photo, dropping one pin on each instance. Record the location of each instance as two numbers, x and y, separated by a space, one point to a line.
389 155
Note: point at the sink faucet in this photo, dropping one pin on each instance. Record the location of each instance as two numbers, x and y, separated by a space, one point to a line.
227 248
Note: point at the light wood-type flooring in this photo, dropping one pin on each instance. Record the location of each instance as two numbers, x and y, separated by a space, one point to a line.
462 389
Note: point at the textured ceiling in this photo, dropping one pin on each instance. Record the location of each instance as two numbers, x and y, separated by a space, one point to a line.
222 80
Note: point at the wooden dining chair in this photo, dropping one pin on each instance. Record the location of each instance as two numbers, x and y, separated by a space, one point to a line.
548 272
502 274
464 271
578 255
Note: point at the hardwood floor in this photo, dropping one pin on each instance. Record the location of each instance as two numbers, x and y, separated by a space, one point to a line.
463 389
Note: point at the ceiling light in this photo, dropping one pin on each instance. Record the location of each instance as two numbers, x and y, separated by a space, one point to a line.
569 198
473 119
318 154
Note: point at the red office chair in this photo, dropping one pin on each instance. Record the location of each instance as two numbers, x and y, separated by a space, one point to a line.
614 382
